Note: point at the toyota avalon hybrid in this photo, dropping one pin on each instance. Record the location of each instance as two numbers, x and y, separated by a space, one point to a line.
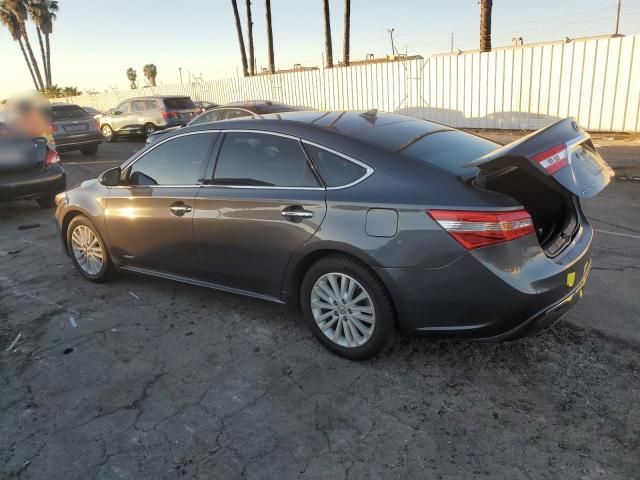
363 221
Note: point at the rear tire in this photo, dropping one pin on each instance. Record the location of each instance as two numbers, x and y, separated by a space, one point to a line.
347 307
88 251
90 151
47 200
148 129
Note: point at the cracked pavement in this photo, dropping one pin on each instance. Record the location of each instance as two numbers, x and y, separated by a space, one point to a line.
143 378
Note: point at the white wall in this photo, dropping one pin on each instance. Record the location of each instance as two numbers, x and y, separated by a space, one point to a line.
596 81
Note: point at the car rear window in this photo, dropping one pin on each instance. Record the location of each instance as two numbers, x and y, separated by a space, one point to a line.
182 102
70 112
434 144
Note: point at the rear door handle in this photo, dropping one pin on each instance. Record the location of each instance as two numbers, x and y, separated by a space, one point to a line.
179 209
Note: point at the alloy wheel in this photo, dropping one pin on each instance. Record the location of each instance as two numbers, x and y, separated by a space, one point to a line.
343 310
87 250
107 133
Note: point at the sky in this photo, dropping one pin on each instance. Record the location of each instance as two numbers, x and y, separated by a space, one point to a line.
94 42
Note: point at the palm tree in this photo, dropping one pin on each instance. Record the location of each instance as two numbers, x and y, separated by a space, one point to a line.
132 75
347 32
252 64
53 91
328 49
10 21
485 25
272 64
43 13
243 53
150 72
71 92
19 9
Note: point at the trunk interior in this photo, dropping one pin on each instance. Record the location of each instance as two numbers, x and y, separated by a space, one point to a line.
553 210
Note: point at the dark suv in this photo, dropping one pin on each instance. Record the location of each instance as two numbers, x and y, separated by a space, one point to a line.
145 115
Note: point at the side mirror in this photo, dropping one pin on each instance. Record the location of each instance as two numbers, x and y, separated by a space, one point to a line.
110 178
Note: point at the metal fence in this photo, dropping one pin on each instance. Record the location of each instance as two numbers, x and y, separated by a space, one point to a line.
594 80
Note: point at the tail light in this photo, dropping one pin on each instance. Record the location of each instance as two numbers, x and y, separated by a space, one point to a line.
553 159
168 115
480 229
52 157
94 123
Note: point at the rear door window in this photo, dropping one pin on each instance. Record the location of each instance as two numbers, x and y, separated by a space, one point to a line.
138 106
179 161
179 103
151 104
336 171
70 112
256 159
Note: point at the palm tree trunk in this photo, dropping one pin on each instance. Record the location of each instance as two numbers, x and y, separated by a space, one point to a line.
272 64
485 25
347 32
48 47
44 58
26 59
328 49
243 53
252 64
34 62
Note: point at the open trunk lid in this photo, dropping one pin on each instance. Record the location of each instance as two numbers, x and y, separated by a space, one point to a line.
562 153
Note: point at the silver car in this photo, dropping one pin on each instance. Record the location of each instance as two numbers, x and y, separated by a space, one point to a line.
145 115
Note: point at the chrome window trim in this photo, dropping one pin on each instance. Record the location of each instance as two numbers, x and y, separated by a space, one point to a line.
369 169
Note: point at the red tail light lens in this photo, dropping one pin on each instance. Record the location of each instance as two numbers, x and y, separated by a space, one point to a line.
553 159
168 115
52 157
481 229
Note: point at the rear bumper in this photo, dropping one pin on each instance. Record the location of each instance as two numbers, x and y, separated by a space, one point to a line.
487 294
76 142
52 180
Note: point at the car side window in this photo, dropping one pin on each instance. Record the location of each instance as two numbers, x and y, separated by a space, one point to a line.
138 106
123 107
179 161
150 104
206 118
234 113
257 159
335 170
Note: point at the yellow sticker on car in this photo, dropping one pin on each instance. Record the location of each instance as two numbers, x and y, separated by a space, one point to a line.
571 279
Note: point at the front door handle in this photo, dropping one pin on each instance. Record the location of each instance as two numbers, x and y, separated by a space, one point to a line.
179 209
296 214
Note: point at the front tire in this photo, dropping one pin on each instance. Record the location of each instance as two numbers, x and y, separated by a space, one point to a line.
148 130
88 250
347 307
107 133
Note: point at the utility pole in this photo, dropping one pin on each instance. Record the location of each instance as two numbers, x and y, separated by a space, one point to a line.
618 18
180 70
393 47
451 42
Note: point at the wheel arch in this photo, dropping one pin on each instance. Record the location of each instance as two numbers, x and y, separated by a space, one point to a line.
300 265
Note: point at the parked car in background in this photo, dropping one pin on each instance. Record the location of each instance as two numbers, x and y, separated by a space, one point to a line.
3 125
232 110
206 105
75 129
145 115
30 168
361 220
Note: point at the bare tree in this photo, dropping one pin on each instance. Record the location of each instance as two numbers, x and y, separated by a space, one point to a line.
243 53
328 49
347 32
272 64
252 61
485 25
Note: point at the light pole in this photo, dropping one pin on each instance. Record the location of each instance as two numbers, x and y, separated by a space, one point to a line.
180 70
618 17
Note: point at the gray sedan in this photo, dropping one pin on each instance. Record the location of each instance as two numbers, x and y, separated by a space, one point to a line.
363 221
